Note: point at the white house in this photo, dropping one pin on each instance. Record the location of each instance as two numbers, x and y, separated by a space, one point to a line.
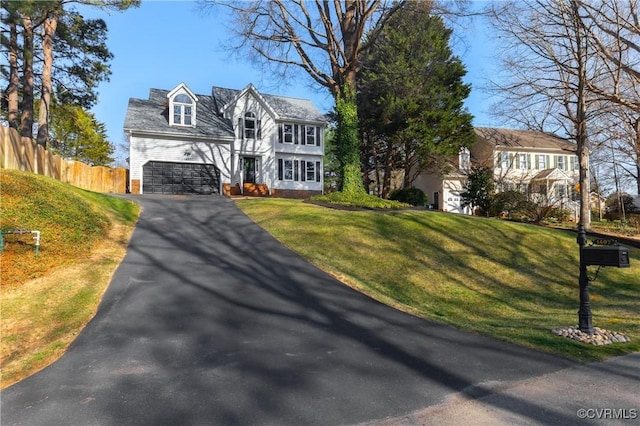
229 142
542 165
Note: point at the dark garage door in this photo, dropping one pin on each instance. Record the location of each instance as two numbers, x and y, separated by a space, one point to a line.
159 177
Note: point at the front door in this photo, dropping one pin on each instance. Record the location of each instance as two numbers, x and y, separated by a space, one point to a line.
249 169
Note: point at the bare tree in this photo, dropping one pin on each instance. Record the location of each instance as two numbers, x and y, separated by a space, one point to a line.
613 31
622 135
549 64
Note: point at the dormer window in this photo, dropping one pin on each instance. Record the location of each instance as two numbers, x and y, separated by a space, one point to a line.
182 106
182 110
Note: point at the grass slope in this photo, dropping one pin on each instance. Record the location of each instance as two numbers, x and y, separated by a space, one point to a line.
48 298
512 281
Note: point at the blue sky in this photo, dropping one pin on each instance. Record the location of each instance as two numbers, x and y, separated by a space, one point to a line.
163 43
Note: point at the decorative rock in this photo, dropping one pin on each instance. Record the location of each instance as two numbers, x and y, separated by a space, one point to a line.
599 337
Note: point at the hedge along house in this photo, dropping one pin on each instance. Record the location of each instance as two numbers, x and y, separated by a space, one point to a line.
230 142
541 165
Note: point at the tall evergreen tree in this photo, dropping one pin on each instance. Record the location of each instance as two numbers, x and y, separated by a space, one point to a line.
411 95
41 30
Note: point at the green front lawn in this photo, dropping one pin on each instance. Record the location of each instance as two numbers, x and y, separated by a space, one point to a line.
512 281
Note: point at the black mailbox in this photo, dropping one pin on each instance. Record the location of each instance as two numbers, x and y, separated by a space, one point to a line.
606 256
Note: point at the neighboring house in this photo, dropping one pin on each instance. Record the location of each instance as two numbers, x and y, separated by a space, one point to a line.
229 142
542 165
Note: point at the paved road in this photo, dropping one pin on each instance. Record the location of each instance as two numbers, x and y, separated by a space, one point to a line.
208 320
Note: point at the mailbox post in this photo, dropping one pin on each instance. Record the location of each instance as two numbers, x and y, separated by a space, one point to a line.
584 313
608 254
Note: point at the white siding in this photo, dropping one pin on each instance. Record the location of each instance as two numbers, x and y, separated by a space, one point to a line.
267 149
143 150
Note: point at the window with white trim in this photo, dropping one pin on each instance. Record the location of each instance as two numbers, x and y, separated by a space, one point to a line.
310 135
287 133
523 161
542 161
575 165
183 110
504 160
288 170
311 171
250 125
560 163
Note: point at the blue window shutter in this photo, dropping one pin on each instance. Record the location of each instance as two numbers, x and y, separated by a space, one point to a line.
296 174
280 169
280 134
296 136
303 171
317 171
303 135
318 136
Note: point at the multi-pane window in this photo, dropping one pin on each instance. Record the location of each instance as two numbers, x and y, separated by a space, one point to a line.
311 171
575 165
504 160
299 170
182 110
523 161
310 135
542 161
560 162
250 125
287 133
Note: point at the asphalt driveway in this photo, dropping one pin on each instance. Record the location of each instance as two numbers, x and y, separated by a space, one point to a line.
209 320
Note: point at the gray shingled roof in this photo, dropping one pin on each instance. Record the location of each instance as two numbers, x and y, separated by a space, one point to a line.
507 138
285 107
152 115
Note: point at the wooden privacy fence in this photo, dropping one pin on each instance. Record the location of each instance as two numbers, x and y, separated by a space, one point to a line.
18 153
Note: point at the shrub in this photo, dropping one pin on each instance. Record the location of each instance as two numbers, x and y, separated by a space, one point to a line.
510 202
413 196
561 214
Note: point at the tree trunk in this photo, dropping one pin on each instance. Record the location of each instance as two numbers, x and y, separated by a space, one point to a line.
14 78
388 169
637 153
26 120
50 25
581 121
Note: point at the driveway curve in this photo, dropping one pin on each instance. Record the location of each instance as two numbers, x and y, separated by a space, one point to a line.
209 320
